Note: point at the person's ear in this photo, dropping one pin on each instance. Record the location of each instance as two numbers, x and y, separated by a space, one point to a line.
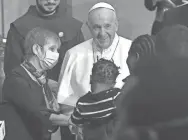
36 50
89 26
137 56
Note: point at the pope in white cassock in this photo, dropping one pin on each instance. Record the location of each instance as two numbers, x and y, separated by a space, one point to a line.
75 73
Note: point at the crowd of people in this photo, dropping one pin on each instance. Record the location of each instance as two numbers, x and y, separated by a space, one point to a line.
104 88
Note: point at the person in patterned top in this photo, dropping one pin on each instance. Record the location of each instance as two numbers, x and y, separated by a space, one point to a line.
97 107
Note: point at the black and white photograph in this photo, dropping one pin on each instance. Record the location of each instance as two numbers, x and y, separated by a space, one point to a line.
93 69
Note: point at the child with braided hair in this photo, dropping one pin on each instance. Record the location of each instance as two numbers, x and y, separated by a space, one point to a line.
143 47
141 53
97 108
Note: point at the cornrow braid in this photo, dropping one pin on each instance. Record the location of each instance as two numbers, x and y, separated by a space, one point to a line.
104 71
143 45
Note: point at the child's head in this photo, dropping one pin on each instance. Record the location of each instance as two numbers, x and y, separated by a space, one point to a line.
104 74
143 47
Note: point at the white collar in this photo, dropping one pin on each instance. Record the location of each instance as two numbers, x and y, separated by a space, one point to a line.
109 49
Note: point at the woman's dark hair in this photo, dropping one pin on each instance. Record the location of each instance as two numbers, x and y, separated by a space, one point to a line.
104 71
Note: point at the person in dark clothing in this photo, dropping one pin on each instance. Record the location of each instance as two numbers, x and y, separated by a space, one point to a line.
49 15
15 128
176 16
162 6
156 108
96 109
142 48
26 87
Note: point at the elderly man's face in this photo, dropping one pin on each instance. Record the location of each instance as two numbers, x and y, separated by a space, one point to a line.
103 25
48 5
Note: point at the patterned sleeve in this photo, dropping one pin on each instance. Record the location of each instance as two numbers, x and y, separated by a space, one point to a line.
76 116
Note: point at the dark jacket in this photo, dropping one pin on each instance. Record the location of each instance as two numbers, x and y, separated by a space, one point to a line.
27 97
14 126
176 16
161 9
153 103
59 22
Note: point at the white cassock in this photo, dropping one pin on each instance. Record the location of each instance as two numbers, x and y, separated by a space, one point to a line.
74 79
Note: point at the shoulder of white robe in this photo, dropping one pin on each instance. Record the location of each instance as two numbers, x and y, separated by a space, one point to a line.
65 73
63 66
125 41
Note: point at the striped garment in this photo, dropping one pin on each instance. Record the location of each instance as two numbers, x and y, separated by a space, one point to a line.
93 108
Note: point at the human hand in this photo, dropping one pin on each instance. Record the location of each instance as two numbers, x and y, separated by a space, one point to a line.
53 86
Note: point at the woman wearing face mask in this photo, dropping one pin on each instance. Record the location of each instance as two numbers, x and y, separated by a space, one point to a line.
26 89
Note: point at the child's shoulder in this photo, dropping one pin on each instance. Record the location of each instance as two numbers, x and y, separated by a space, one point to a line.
85 98
114 92
108 94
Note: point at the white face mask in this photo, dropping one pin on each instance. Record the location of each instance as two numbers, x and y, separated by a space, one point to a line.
50 59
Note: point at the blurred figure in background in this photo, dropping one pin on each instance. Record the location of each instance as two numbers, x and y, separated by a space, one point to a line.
156 108
177 15
161 6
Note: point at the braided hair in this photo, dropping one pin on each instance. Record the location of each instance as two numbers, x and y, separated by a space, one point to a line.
104 71
141 52
144 45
